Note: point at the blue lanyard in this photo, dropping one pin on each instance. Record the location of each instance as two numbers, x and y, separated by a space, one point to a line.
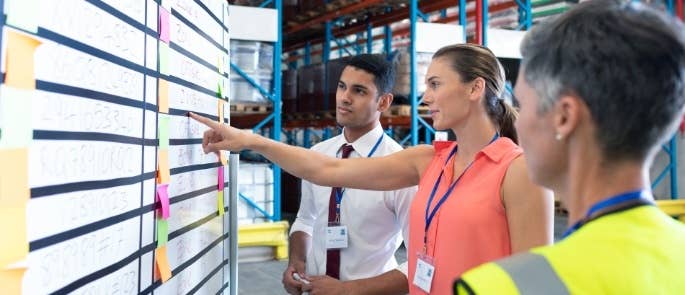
429 217
339 192
610 205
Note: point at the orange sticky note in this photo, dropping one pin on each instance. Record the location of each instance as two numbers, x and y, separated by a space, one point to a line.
14 177
162 264
10 280
19 59
163 173
222 158
14 246
163 96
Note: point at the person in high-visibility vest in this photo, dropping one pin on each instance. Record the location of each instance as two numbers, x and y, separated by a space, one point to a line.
600 88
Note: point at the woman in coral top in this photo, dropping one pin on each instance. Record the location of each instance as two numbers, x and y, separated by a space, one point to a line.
475 201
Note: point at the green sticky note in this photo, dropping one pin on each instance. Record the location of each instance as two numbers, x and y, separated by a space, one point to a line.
15 117
162 232
163 58
220 202
219 92
22 14
163 130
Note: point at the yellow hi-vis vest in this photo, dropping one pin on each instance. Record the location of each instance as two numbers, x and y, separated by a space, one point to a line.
636 251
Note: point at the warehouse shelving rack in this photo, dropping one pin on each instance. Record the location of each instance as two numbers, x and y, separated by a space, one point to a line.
275 118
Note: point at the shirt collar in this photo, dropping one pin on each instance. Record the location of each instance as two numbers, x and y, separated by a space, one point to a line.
366 142
495 151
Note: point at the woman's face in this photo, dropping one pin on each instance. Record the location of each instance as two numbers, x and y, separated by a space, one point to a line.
447 97
537 136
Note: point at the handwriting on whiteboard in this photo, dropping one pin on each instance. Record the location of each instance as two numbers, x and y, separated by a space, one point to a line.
192 181
57 265
70 210
191 276
54 162
190 70
123 281
86 23
54 111
191 41
63 65
197 16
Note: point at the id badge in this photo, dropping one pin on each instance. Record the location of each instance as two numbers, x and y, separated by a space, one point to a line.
336 236
423 277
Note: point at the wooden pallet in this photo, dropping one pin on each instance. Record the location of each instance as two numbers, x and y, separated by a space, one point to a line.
250 108
405 111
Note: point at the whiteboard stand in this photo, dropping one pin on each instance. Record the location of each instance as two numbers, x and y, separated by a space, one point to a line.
234 160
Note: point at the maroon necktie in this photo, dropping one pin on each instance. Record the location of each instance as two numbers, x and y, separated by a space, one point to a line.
333 255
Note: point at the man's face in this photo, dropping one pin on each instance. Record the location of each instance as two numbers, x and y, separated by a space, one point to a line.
357 103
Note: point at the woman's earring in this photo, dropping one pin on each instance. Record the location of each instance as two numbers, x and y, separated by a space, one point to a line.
559 136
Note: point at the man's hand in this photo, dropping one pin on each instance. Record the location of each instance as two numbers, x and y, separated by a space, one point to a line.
291 285
221 136
325 285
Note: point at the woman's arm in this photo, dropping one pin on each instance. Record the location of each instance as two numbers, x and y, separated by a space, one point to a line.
529 209
398 170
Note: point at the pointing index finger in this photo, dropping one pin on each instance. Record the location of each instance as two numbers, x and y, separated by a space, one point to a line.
204 120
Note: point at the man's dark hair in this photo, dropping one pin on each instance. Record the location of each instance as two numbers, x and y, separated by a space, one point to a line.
376 64
625 60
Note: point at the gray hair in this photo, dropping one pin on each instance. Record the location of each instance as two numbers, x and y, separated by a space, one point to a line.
625 60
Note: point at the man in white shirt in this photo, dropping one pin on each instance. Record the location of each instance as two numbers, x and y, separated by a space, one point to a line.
344 240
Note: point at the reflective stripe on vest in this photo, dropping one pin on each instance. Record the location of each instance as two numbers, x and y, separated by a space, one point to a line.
533 274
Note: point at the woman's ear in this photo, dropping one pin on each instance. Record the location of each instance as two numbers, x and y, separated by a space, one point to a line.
477 88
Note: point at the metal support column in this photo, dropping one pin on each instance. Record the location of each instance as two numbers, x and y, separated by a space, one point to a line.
369 37
462 17
413 97
277 105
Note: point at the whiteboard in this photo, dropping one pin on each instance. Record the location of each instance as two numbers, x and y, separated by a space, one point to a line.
83 131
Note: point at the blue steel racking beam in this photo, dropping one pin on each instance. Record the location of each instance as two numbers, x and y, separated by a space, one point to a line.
275 96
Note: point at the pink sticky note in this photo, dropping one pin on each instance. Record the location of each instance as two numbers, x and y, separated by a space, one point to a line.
221 178
163 199
163 25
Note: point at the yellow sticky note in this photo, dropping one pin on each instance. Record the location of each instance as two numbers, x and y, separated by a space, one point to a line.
162 263
163 96
10 280
220 111
15 245
15 117
19 60
22 14
220 202
14 177
163 173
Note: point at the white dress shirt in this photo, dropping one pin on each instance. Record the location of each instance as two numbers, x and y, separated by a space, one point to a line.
377 221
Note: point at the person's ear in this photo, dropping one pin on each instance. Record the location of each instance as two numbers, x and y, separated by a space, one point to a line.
384 102
477 88
568 110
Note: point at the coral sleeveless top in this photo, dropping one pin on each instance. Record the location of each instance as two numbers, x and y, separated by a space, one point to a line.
470 227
